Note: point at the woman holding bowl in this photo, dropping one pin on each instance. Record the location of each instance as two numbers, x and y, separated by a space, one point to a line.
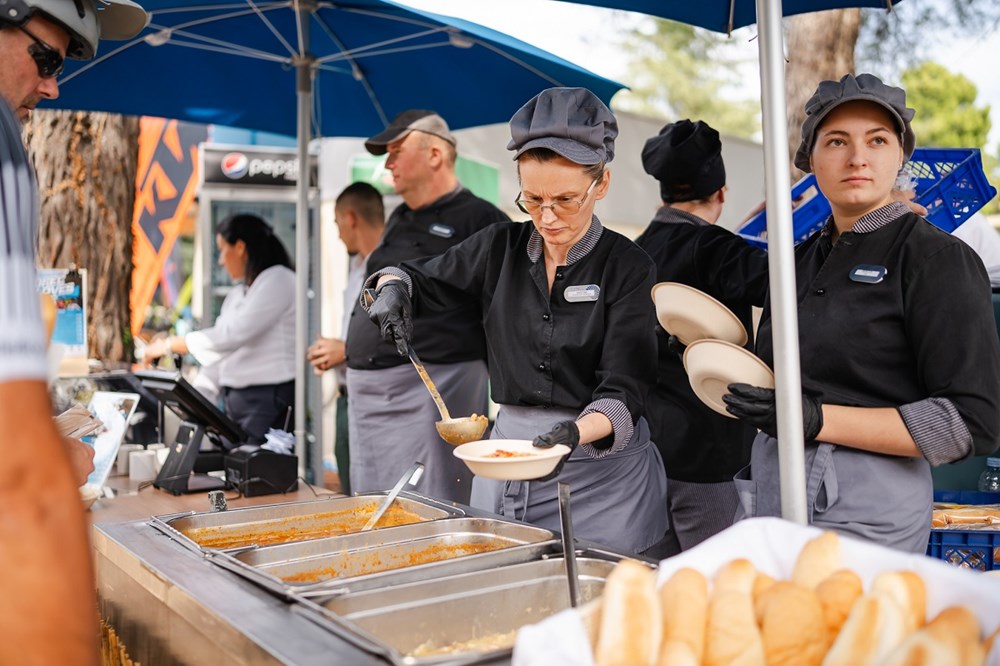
569 327
898 346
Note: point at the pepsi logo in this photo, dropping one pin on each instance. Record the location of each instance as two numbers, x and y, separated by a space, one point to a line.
235 165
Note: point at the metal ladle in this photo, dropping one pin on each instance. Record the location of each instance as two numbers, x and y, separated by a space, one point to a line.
453 431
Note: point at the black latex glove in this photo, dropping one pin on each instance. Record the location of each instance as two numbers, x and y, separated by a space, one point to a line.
757 406
675 345
566 433
392 311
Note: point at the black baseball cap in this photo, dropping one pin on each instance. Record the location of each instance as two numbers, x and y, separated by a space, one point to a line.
414 120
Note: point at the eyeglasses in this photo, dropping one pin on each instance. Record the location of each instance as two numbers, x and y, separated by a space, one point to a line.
48 60
560 206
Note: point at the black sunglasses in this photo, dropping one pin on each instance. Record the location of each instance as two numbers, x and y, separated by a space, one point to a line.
48 60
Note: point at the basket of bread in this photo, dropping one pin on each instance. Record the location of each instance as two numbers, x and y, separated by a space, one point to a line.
767 592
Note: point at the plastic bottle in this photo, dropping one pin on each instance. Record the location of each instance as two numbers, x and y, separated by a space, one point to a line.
989 480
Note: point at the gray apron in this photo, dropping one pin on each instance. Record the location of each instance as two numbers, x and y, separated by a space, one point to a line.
391 420
618 501
885 499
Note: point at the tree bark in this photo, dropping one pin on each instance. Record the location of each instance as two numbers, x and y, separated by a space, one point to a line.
86 166
820 46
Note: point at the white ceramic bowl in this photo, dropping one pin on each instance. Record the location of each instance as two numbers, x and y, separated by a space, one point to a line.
712 365
693 315
539 463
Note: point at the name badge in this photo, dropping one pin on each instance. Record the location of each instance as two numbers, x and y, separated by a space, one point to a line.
868 274
581 293
442 230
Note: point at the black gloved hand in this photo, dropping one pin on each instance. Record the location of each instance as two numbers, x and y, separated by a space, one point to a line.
757 406
566 433
675 345
392 311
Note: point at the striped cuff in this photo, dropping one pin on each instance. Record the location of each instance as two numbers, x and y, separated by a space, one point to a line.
621 423
373 280
938 430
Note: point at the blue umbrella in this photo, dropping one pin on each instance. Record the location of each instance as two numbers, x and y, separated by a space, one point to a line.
724 16
353 65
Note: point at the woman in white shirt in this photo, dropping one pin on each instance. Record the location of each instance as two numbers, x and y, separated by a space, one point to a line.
250 351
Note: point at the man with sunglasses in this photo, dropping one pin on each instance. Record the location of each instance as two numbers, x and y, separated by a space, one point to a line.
391 415
48 611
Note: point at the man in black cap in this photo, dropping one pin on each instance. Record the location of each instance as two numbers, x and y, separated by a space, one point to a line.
391 415
701 449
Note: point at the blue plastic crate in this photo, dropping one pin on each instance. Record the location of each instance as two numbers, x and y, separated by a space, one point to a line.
951 185
966 497
971 549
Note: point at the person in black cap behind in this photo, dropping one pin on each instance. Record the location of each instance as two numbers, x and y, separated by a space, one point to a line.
569 330
898 348
701 449
390 414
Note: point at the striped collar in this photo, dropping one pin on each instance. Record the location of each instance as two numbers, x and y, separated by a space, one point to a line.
581 249
873 220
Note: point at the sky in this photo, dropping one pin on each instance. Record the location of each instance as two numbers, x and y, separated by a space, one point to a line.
580 34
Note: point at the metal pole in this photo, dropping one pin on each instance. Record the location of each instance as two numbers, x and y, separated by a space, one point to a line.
303 93
781 263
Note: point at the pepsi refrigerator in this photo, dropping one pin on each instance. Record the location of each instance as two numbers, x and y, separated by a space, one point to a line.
259 180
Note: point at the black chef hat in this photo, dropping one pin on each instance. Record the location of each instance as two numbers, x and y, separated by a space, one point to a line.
686 158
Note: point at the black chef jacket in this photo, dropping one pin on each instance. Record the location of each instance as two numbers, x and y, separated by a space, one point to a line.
697 444
589 343
922 338
439 337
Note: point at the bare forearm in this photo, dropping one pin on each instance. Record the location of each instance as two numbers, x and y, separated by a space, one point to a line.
49 616
879 430
593 426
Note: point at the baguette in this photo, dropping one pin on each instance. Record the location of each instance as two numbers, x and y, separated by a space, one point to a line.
819 558
793 629
732 638
631 625
684 605
676 653
874 629
923 649
837 594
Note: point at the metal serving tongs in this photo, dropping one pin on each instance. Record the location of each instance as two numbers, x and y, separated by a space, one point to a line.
569 549
409 478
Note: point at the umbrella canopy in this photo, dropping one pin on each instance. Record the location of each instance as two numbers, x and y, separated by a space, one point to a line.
352 65
724 16
235 62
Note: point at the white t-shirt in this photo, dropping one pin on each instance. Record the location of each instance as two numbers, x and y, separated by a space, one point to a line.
984 239
22 334
253 340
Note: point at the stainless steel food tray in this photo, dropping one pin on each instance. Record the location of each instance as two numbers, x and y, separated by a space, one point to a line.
457 609
247 526
368 560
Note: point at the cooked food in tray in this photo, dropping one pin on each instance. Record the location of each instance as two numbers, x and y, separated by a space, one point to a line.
297 528
362 564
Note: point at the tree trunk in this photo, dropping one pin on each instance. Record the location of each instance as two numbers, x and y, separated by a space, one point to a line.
820 46
86 165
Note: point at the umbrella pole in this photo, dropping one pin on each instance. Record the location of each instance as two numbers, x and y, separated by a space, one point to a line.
781 263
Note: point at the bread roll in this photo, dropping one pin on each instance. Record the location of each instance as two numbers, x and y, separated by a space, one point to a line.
761 602
631 625
923 649
960 626
675 653
590 616
761 584
736 576
907 590
684 605
837 594
991 640
819 558
873 630
733 638
793 630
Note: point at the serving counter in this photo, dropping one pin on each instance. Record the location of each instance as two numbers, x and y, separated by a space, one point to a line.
171 600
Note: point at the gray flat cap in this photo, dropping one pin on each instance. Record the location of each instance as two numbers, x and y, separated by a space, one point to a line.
414 120
864 87
572 122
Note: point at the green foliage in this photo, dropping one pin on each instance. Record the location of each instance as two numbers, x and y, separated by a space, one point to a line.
947 115
678 71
